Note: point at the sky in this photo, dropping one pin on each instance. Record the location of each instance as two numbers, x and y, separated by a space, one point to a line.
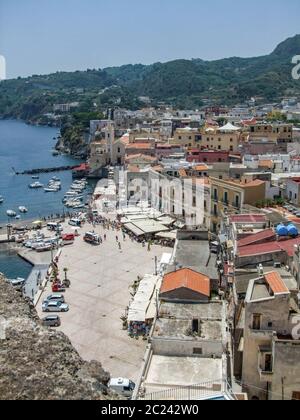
45 36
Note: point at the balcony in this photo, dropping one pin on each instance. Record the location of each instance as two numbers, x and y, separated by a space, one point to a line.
262 334
265 376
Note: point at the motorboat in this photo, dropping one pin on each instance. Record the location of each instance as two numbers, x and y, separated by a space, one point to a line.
35 177
11 213
36 185
18 217
23 209
51 189
1 199
44 247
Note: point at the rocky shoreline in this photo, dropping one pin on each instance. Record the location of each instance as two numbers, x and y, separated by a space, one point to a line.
38 363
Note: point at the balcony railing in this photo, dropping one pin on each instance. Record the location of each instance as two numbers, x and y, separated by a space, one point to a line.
265 375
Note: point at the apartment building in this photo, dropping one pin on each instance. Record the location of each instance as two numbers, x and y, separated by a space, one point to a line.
229 196
271 345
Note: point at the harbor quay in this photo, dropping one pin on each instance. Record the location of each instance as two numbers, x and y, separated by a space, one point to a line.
101 279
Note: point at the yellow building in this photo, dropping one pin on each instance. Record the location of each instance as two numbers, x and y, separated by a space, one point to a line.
229 196
281 133
187 137
228 139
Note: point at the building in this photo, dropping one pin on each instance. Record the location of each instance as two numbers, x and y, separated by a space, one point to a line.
229 196
185 285
207 156
187 137
271 345
292 190
227 138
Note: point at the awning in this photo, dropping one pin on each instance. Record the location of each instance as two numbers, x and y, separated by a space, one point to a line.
167 235
143 306
135 230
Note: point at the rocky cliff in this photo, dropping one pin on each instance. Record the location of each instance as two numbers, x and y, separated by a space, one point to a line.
38 363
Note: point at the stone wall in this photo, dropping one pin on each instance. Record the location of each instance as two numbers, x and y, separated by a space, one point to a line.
38 363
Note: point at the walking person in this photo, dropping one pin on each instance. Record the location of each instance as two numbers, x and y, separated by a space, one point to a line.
120 246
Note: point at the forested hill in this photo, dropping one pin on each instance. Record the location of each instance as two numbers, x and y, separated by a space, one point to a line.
184 83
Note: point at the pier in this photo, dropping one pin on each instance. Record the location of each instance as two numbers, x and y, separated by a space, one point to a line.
45 170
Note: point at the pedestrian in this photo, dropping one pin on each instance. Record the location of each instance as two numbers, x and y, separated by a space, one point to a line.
120 246
105 236
124 237
117 238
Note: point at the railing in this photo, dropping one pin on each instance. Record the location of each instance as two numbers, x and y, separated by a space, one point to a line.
205 390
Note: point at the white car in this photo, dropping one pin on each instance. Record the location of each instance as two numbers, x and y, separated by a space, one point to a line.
55 297
55 307
122 386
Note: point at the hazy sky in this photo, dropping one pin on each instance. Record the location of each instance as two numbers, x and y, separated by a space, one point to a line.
43 36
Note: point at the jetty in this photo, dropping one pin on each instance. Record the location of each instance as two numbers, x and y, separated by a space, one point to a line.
45 170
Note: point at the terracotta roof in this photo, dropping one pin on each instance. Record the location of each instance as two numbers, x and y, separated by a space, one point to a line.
140 156
259 249
257 237
276 283
254 183
270 247
133 168
266 164
186 278
200 168
140 146
182 172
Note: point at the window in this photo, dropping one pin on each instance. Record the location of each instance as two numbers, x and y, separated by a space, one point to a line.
296 395
219 147
198 351
270 324
195 326
205 205
256 322
215 194
226 197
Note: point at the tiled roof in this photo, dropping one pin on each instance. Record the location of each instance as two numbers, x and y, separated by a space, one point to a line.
257 237
276 283
259 249
270 247
186 278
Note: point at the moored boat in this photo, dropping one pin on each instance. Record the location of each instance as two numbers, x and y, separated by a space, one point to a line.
11 213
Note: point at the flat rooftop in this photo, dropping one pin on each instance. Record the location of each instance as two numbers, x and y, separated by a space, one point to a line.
206 311
195 254
167 372
182 328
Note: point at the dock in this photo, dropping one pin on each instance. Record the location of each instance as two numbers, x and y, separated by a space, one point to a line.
46 170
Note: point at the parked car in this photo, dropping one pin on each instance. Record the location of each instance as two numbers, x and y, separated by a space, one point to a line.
51 321
122 386
55 297
55 306
17 282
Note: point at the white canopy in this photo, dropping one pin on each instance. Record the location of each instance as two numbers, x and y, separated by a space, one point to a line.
229 127
143 305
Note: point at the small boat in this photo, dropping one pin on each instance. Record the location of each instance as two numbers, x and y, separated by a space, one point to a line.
51 189
44 247
55 178
55 153
18 217
23 209
1 199
11 213
35 177
36 185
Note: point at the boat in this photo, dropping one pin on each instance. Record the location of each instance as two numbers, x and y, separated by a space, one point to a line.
51 189
36 185
11 213
18 217
23 209
55 178
55 153
35 177
44 247
1 199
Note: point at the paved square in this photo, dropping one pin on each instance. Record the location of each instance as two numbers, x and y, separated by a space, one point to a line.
100 291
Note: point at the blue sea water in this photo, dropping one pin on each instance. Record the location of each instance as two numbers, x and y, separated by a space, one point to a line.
26 147
13 266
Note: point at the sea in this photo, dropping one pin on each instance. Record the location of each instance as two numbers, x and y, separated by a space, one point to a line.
24 147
